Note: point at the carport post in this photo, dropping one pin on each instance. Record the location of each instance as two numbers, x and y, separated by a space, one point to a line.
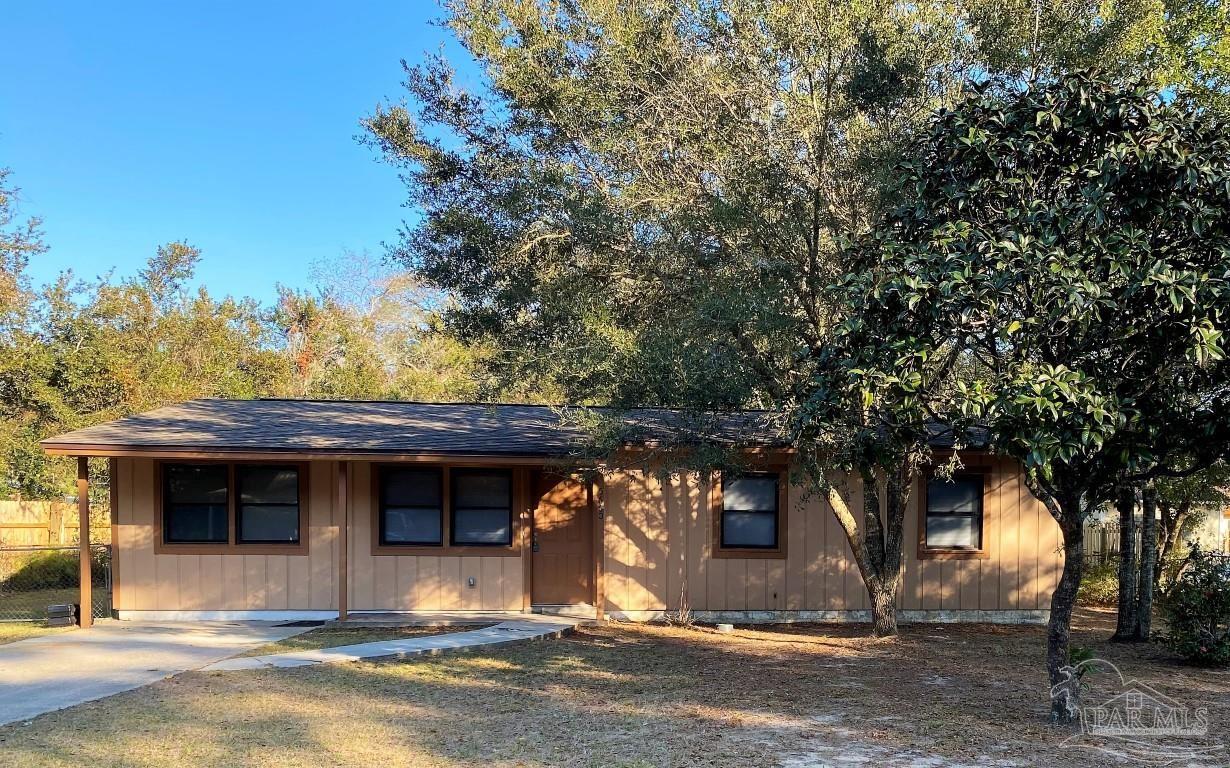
86 613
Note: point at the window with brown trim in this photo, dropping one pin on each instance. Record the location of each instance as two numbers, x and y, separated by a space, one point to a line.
750 512
195 503
953 513
481 508
219 507
411 503
268 504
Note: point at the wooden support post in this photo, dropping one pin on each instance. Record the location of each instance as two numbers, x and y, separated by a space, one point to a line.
86 618
343 510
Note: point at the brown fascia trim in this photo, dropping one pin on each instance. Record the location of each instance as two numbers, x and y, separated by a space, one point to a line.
285 454
275 454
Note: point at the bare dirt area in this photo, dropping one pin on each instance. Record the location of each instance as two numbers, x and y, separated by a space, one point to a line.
624 695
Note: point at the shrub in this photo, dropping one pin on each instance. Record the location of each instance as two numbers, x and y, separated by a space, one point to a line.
44 571
1197 610
1100 584
51 570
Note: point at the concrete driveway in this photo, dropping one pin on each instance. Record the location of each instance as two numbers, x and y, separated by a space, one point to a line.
44 674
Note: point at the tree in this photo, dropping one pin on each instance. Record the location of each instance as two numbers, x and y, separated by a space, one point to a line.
1182 501
1169 504
1126 624
88 352
643 204
1148 563
1073 241
646 211
368 330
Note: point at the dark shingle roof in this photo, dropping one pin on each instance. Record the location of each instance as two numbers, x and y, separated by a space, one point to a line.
389 427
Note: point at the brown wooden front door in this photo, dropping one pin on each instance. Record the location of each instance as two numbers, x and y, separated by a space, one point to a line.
563 564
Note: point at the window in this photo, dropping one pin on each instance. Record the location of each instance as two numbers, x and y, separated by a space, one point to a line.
232 507
268 511
749 517
954 513
411 506
195 504
481 507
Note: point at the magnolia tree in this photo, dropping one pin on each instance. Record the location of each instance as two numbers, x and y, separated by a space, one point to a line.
1071 245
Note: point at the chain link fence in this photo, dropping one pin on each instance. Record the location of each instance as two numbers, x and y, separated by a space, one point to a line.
32 578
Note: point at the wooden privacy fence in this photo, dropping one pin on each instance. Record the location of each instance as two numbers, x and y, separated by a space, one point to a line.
44 523
1102 541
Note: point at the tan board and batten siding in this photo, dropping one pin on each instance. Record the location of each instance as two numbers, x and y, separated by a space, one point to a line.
658 550
150 581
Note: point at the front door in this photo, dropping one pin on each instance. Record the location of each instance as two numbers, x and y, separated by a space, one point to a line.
562 542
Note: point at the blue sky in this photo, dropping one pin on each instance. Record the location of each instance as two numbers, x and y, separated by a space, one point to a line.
227 124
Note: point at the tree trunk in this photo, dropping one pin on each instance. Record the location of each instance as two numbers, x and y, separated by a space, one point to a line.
892 571
1068 510
1065 686
1125 627
877 544
1172 520
883 608
1148 563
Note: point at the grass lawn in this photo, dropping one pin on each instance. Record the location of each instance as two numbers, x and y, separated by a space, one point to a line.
12 631
331 637
631 696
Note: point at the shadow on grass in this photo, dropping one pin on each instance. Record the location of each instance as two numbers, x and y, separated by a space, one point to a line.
618 695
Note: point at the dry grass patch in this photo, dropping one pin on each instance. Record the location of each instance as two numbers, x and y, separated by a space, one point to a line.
332 637
624 695
12 631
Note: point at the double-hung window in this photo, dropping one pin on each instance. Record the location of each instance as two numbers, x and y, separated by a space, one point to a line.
411 507
750 513
953 519
481 507
268 499
196 503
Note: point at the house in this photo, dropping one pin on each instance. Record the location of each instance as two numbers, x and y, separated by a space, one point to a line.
262 509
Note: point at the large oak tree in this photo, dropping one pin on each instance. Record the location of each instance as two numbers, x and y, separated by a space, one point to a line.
643 201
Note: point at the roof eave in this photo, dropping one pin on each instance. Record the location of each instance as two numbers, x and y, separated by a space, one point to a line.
111 450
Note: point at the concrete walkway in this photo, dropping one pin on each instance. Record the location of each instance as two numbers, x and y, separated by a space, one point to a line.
47 673
503 633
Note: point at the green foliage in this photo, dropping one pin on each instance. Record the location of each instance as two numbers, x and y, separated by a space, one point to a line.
76 353
1072 242
1079 657
642 203
1208 488
1068 245
1197 611
1100 584
51 570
